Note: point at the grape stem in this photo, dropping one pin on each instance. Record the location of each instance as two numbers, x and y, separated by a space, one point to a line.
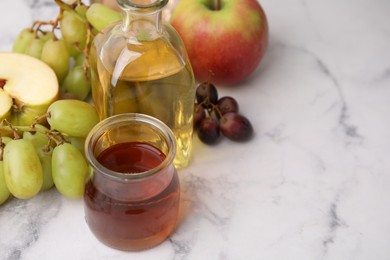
53 23
6 125
53 135
17 130
214 107
40 118
216 5
66 7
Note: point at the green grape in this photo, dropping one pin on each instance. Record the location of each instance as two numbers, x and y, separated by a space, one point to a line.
69 170
56 55
77 83
78 142
38 137
72 117
35 47
4 192
72 50
22 169
23 40
45 35
100 16
45 159
81 10
6 131
80 60
73 30
5 139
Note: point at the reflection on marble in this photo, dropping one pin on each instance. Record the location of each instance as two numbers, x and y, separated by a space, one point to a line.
313 183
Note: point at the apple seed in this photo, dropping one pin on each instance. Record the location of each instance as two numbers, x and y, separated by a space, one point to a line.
2 83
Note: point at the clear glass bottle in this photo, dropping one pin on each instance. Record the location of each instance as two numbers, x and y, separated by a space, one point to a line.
167 11
141 66
132 199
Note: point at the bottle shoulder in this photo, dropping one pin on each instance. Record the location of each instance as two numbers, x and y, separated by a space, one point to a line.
122 54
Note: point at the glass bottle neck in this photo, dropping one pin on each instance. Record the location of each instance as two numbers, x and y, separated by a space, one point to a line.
142 19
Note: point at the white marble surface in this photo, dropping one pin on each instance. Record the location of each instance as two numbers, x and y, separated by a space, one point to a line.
314 183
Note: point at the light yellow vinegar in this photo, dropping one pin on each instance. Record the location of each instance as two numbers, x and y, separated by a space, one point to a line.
150 78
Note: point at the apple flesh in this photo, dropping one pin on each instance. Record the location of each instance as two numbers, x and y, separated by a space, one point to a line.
27 87
5 103
225 39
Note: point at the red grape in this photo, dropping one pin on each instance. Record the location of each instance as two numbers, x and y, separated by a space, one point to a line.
227 104
206 93
235 127
214 117
208 131
199 115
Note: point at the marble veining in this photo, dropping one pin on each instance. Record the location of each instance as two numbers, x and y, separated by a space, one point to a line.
29 218
334 224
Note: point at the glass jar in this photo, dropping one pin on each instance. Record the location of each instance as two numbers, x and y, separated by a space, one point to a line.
131 200
140 65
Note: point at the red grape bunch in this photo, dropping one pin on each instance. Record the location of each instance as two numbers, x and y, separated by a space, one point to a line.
214 116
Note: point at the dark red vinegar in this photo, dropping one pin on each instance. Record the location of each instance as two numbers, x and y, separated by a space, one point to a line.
131 224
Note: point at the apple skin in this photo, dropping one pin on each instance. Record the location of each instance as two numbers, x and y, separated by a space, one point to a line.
224 46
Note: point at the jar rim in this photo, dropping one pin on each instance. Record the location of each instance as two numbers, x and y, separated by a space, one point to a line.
106 123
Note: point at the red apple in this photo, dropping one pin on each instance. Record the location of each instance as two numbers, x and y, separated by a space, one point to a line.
225 39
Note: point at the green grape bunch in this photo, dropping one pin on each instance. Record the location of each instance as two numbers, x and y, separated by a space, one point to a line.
64 43
38 157
50 152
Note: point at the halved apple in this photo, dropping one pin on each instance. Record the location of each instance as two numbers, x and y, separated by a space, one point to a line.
27 87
